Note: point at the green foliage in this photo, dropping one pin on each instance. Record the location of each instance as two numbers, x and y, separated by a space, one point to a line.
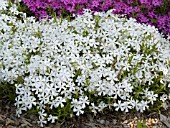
141 124
7 91
23 8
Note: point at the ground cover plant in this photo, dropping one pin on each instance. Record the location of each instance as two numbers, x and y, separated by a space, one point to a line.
94 63
153 12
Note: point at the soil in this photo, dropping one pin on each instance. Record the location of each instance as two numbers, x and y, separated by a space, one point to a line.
8 119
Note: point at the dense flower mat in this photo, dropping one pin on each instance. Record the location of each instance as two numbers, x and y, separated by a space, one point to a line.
152 12
94 63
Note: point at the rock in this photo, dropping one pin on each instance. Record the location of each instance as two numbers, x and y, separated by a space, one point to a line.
13 117
90 125
114 121
9 122
34 122
107 123
165 120
123 117
24 126
125 122
2 117
101 121
17 122
26 122
2 121
10 126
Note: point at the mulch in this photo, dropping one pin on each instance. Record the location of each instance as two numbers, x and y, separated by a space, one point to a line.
113 119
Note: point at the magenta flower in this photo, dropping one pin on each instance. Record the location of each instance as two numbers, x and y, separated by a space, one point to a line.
95 3
156 2
145 11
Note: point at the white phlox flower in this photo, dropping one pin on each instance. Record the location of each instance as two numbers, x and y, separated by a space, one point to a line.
78 64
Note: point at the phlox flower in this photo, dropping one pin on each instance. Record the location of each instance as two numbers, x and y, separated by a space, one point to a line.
59 101
82 63
93 108
42 117
119 105
142 106
52 118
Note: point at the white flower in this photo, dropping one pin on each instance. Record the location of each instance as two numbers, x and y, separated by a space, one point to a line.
134 103
78 110
127 86
126 106
169 85
75 63
164 70
57 102
126 66
119 105
52 118
77 107
84 100
101 106
3 4
164 97
151 96
142 106
93 108
42 117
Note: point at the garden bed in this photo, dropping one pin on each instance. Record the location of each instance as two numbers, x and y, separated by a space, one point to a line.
97 69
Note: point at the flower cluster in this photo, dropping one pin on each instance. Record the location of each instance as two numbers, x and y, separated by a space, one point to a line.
95 62
153 12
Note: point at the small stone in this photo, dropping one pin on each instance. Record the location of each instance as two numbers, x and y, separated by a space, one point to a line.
114 121
13 117
90 125
24 126
7 107
2 117
125 122
101 121
9 121
1 126
2 121
10 126
123 118
17 122
107 123
26 122
34 122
